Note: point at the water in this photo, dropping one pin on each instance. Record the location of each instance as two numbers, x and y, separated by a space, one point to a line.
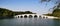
29 22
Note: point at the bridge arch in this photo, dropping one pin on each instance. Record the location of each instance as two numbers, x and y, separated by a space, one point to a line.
25 16
35 15
21 16
30 16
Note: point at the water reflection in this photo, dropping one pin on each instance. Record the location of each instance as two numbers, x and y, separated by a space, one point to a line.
56 22
29 22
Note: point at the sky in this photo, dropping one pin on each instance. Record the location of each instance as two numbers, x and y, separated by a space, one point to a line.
27 5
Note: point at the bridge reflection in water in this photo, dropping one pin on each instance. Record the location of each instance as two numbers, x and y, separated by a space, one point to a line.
30 16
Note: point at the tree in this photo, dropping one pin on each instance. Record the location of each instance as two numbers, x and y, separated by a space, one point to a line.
45 0
56 2
56 9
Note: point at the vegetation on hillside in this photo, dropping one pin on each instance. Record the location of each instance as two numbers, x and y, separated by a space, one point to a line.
56 11
5 12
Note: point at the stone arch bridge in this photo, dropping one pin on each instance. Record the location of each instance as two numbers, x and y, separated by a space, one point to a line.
33 16
30 16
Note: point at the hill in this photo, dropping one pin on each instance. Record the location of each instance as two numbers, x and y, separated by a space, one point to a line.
6 13
56 11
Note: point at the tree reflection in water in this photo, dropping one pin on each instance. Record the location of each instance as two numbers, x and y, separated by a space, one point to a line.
56 22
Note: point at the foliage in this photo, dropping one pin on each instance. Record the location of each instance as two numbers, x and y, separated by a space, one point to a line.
56 11
45 0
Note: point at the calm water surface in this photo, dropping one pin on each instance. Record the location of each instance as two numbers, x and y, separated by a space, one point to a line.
29 22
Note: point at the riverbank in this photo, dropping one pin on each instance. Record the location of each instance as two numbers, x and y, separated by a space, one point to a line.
6 17
52 17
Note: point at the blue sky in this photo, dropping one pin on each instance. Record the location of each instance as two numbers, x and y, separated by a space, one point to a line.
27 5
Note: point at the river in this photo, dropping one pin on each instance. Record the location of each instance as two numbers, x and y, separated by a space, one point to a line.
29 22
